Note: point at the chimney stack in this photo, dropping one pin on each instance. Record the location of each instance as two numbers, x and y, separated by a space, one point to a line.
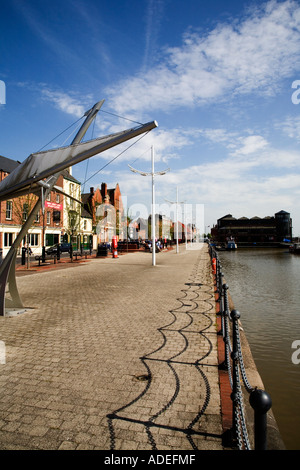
103 190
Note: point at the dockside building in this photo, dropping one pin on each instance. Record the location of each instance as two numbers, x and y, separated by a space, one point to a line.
269 230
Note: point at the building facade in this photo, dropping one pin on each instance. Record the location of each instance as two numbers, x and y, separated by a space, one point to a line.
267 230
105 208
47 227
61 219
77 222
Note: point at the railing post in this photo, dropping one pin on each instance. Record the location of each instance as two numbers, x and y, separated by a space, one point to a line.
43 254
219 276
235 315
226 337
221 296
261 403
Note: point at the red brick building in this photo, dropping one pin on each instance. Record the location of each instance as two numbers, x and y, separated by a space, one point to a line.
46 228
106 208
49 227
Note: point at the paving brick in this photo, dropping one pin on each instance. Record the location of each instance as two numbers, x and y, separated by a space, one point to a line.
114 354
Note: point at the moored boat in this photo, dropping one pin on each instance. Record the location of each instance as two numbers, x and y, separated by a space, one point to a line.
231 245
295 248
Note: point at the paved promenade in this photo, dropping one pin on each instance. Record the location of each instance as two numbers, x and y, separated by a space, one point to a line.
113 354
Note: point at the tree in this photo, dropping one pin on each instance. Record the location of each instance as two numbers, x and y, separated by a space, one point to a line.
72 227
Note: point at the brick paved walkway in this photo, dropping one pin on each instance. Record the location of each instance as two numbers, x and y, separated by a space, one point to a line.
114 354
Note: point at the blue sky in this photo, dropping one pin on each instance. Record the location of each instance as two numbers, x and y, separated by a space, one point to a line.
220 78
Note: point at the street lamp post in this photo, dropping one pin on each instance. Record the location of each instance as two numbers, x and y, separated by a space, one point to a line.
185 226
177 202
143 173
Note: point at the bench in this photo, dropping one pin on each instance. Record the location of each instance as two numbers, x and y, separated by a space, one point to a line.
130 246
40 258
81 254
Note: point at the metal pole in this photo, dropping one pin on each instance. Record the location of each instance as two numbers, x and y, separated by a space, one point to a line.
90 115
261 403
7 271
153 201
153 212
185 226
177 247
176 221
235 315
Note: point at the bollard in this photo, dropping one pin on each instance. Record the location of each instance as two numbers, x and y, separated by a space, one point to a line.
261 403
43 254
115 246
23 255
58 252
214 266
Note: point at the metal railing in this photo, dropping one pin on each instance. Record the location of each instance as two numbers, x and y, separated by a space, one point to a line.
259 400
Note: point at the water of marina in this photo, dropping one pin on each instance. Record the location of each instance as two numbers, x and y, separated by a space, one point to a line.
265 285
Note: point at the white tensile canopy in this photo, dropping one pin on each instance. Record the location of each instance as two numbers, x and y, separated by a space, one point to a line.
41 165
38 174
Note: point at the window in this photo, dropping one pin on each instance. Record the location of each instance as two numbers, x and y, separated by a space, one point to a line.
71 194
8 210
48 217
57 198
25 211
84 225
37 218
33 239
8 239
56 216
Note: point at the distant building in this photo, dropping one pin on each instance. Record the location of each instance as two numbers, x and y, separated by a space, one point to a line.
61 220
267 230
77 222
105 207
47 226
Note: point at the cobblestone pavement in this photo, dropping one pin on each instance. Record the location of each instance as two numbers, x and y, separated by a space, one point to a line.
114 354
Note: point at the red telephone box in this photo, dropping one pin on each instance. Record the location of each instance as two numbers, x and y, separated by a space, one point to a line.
115 246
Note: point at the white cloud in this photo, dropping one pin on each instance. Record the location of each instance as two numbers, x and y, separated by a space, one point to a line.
291 127
154 14
64 102
252 55
251 144
242 172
